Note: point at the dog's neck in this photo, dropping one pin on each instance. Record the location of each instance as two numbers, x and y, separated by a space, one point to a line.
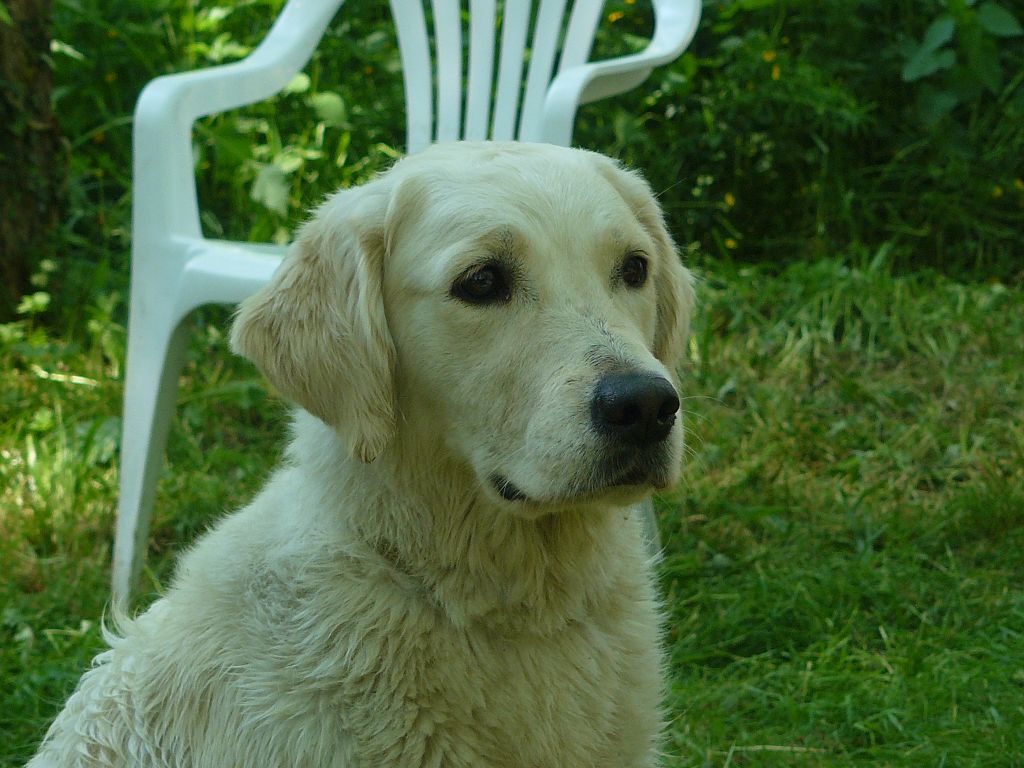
473 559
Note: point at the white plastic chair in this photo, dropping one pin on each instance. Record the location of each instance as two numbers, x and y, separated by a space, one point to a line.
175 269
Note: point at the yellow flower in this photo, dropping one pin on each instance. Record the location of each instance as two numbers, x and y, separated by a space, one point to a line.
997 191
731 244
730 199
1018 183
615 16
776 72
769 56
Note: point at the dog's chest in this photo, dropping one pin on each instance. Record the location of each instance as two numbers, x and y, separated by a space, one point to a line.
585 696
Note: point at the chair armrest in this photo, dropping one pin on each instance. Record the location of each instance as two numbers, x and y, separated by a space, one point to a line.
224 272
282 53
675 26
165 198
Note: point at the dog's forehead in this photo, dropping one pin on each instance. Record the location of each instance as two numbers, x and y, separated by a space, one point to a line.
470 199
525 175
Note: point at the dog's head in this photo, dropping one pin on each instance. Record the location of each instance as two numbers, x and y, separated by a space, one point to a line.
521 306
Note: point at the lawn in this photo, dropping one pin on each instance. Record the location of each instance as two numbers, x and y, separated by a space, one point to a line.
843 560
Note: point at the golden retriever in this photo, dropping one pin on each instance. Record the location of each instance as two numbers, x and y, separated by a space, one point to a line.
445 571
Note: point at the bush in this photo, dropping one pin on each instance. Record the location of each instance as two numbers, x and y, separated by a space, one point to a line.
791 129
794 128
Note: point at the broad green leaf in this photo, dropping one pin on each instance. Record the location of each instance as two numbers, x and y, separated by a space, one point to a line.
998 21
924 63
289 159
208 20
33 303
226 49
329 107
938 33
298 84
271 189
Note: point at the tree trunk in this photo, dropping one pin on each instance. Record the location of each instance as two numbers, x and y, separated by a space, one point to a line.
32 158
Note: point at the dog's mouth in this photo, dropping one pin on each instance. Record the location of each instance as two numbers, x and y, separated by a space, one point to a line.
632 476
635 474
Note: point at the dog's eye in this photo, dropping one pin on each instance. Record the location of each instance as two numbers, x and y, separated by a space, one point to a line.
634 270
487 284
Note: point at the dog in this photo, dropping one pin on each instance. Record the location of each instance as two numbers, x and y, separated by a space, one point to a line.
445 571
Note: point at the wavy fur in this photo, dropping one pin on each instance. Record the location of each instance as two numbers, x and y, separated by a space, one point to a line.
402 613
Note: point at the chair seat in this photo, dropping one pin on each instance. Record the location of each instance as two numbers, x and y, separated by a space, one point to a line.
224 271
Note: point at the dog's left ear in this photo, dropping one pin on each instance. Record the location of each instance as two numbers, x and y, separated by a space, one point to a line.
318 331
674 286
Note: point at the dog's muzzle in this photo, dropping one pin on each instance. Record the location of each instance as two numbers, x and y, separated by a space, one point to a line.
634 413
634 409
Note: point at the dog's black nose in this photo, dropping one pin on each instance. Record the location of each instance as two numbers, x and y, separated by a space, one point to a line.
636 408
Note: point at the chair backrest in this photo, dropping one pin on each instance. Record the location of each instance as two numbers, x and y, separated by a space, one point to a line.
474 89
463 91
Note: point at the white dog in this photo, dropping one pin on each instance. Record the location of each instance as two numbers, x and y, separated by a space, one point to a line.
445 572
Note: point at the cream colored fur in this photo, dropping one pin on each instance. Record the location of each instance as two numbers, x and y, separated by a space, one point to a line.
379 603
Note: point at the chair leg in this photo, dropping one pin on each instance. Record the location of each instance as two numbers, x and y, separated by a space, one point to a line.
155 357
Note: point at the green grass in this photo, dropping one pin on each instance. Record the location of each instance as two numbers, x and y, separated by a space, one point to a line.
843 563
842 560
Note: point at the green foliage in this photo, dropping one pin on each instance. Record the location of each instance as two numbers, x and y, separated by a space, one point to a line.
970 64
791 129
334 125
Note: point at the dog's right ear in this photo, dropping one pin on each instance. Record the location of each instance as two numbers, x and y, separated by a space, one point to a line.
318 331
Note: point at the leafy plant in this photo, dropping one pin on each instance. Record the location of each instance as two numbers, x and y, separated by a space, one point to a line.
790 129
961 49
